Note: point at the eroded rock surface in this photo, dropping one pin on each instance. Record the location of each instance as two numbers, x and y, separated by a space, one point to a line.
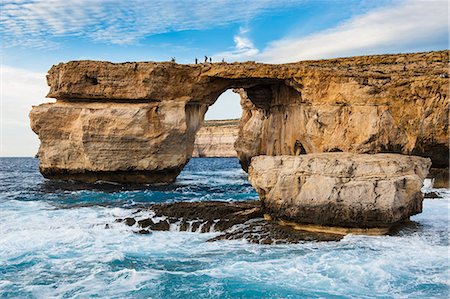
137 121
230 220
340 189
216 138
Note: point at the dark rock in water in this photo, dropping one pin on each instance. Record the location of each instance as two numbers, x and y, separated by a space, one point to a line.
270 232
195 226
431 195
222 225
406 227
162 225
143 232
145 222
130 221
236 220
209 210
267 241
206 228
184 225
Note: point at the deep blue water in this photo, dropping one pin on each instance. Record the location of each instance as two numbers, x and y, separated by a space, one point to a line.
53 244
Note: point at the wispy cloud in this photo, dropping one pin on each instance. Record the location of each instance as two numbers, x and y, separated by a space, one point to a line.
244 48
408 25
36 22
405 26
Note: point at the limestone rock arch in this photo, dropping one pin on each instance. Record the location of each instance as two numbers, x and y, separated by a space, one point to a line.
136 122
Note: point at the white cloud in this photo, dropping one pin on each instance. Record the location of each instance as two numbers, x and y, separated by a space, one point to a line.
20 89
244 48
35 22
415 25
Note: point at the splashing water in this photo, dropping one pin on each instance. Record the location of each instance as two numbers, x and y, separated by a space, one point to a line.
53 244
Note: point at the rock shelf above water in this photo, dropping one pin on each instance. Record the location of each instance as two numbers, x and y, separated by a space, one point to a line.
340 189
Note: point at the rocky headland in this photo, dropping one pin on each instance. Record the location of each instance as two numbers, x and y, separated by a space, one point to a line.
312 137
136 122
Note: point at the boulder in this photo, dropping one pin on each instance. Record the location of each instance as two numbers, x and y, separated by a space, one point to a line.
340 189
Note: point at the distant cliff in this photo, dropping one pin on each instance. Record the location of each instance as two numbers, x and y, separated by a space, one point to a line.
216 139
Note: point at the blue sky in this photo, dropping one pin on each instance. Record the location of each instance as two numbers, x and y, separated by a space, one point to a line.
37 34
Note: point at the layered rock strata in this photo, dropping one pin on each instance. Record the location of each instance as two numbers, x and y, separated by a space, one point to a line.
340 189
137 121
216 138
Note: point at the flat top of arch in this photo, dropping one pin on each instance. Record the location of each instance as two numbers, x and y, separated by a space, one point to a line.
98 80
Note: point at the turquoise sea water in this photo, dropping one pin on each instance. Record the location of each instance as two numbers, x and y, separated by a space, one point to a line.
53 244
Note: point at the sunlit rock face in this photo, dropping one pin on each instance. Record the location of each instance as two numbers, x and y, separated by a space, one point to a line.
137 121
340 189
216 138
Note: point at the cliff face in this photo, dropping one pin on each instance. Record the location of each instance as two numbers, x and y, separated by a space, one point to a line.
139 120
216 138
340 189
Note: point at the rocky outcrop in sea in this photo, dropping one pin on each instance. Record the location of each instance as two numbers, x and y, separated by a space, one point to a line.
136 122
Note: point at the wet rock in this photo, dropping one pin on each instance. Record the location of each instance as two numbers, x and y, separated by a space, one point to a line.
161 225
173 220
223 225
184 226
266 241
431 195
238 220
129 221
209 210
143 232
206 227
270 232
195 226
145 222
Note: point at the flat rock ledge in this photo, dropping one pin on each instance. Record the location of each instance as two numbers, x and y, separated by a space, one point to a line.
229 220
340 192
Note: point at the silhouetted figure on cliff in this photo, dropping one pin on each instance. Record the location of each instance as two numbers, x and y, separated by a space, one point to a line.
206 59
210 59
172 59
196 60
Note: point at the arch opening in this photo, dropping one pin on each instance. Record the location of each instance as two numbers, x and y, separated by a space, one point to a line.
264 126
220 127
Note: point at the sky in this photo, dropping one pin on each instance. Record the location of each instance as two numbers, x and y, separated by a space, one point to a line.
36 34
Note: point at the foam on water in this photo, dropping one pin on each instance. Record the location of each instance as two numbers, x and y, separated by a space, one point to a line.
53 244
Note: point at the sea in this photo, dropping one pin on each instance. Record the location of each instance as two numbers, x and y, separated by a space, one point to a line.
54 243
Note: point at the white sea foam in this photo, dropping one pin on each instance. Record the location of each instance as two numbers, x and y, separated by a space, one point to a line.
48 252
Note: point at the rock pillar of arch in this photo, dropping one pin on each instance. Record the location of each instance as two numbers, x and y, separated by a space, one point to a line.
136 122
